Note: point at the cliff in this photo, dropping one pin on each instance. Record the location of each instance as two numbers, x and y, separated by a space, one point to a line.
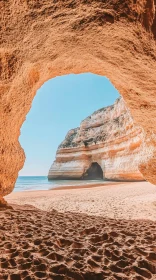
106 145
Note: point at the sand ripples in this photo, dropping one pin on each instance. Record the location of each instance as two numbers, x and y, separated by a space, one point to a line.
50 245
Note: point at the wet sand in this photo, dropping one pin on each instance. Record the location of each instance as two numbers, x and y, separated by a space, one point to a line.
64 245
87 186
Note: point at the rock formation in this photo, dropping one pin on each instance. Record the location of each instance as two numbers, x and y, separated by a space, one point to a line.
106 145
40 40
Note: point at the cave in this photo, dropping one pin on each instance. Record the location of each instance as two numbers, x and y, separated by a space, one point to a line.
54 38
94 172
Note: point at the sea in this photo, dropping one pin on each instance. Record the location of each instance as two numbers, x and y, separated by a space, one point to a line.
30 183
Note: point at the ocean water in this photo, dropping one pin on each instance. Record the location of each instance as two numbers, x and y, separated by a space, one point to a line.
27 183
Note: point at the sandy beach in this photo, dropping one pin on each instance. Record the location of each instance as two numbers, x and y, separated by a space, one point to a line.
116 200
106 232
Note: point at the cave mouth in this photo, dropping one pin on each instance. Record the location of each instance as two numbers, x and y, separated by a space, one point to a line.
94 172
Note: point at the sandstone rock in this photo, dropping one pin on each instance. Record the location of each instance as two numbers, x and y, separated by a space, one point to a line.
4 204
107 139
43 39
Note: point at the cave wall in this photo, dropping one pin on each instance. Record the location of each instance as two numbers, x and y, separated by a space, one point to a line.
94 172
43 39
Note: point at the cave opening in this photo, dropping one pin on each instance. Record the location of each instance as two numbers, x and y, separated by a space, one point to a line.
60 105
94 172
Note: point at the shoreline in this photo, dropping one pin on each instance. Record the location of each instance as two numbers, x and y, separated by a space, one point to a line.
72 187
87 186
41 184
128 200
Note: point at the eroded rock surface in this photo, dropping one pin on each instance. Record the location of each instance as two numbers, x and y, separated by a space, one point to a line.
42 39
106 140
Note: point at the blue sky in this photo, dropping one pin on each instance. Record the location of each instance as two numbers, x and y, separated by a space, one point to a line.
59 105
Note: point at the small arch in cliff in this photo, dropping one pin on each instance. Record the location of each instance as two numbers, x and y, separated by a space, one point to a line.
94 172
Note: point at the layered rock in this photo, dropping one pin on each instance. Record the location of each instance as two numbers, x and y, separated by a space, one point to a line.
108 138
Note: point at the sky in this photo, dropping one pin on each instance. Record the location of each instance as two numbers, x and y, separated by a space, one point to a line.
60 105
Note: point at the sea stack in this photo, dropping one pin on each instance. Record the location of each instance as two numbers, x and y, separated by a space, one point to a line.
107 145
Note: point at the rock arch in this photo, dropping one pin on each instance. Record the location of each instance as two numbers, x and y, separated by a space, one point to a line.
43 39
93 172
